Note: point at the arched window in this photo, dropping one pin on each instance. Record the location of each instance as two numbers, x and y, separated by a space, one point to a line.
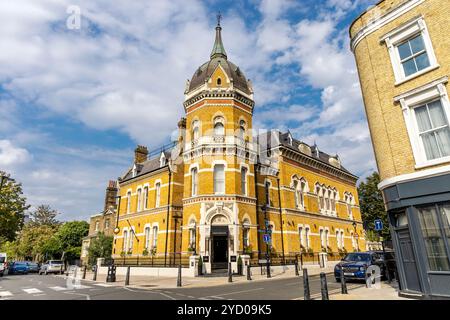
242 129
192 235
195 130
333 201
307 237
349 202
147 237
342 239
128 201
125 241
194 180
320 194
157 194
328 198
296 199
244 181
145 200
219 81
246 233
219 129
139 200
155 237
338 240
322 238
301 236
219 178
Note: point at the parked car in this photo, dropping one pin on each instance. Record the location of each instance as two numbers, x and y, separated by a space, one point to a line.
3 264
18 267
52 266
355 265
33 267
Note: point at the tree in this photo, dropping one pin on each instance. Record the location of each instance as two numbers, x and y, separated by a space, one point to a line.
32 241
44 215
12 207
372 205
70 237
100 247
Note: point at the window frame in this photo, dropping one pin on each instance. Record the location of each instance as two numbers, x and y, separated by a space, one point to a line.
157 194
433 91
215 180
244 184
194 181
400 35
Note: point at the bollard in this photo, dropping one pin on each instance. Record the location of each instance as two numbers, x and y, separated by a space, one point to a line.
249 276
323 286
127 277
388 273
84 273
306 293
230 274
111 277
343 283
94 277
365 277
296 268
179 276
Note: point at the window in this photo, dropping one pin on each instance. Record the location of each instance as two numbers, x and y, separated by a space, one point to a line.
410 50
242 129
131 239
106 224
342 239
301 236
155 236
320 193
322 238
139 200
333 201
96 225
145 200
157 194
147 237
128 201
433 129
307 237
246 231
162 160
192 236
125 241
195 130
299 189
244 181
219 129
219 178
300 193
413 55
194 181
434 222
327 233
426 111
296 200
349 202
338 240
219 81
328 196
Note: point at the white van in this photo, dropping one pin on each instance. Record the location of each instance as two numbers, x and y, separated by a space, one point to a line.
3 263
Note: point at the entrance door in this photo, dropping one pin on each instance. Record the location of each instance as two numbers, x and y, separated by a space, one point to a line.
220 252
408 260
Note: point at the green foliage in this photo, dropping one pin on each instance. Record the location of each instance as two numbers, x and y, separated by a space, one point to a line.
70 237
33 241
12 208
100 247
9 247
200 261
145 252
372 205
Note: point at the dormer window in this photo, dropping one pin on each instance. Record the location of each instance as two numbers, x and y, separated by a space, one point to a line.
289 139
219 81
162 160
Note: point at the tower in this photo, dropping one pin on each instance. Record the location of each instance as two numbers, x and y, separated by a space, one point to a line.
219 213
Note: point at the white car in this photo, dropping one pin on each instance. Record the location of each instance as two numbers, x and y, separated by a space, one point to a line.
3 264
52 266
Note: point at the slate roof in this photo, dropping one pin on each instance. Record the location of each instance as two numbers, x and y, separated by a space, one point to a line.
147 166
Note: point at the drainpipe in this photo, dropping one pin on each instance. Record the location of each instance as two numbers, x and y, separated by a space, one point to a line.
167 218
281 218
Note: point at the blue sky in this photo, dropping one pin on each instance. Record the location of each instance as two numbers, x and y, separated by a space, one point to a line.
74 103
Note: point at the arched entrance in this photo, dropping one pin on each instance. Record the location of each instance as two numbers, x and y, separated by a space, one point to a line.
219 241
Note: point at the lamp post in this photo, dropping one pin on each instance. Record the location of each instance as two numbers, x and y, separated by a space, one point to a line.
356 234
266 222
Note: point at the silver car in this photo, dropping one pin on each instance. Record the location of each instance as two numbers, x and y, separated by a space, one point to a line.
52 266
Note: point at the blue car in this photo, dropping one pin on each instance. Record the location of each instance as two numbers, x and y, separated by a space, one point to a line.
33 267
18 267
355 265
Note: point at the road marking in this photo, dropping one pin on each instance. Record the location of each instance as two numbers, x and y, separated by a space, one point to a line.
103 285
88 297
58 288
5 294
80 286
149 291
235 292
32 290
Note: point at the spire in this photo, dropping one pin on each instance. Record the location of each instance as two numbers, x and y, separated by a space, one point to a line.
218 49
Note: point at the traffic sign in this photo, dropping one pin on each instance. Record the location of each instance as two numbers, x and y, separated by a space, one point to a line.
266 238
378 225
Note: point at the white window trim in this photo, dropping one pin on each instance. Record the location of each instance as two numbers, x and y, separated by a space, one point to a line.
402 33
224 163
417 97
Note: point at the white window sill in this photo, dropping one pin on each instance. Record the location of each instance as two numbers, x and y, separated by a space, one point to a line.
433 162
415 75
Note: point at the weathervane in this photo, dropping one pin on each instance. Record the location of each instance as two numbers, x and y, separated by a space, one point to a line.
219 17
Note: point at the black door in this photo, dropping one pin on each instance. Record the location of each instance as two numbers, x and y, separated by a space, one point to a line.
220 251
408 260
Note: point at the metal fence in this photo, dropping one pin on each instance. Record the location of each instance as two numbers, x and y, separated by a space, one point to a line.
292 258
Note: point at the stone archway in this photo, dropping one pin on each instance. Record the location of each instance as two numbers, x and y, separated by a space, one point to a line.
219 221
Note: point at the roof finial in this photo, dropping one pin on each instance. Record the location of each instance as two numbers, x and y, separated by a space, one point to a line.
218 49
219 17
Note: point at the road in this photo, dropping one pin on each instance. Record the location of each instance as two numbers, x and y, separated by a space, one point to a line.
53 287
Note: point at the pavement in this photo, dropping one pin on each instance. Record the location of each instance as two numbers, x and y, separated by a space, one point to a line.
386 291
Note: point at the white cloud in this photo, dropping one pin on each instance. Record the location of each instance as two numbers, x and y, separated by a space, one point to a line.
11 156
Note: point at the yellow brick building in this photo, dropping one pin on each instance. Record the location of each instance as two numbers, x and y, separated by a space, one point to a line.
402 49
223 186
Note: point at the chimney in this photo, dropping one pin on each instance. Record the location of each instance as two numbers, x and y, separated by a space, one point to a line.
140 154
110 195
